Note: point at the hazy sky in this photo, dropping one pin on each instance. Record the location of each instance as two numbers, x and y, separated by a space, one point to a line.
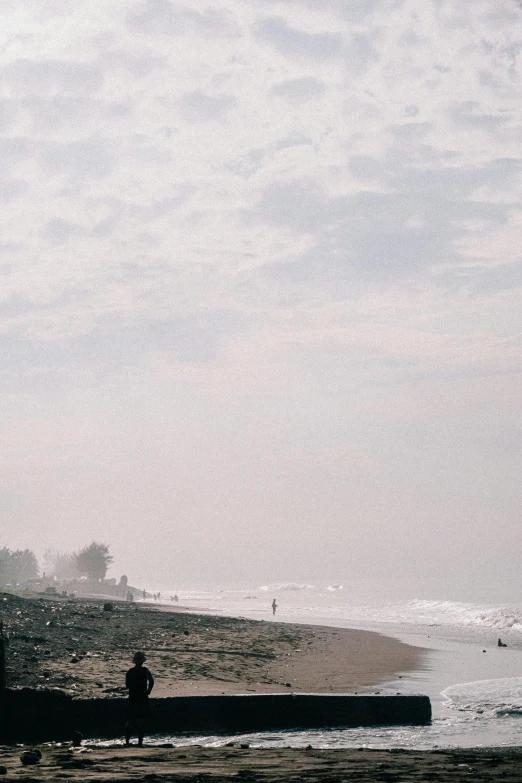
260 300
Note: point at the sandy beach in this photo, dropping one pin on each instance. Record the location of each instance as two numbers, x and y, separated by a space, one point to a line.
84 650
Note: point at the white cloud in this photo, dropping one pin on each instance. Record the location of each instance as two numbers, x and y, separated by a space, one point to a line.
58 230
51 77
301 90
12 189
163 17
297 43
197 106
284 216
92 158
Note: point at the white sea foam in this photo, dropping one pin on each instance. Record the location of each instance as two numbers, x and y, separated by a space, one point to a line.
343 602
454 613
288 586
485 711
430 613
498 697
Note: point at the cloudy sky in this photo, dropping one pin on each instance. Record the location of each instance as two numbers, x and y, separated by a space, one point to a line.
260 286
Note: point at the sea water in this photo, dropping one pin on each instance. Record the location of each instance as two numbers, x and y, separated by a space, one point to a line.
474 685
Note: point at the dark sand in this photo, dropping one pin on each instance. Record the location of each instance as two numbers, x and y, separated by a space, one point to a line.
216 765
78 647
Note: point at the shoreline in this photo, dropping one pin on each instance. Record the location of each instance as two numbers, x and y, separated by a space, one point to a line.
76 646
197 653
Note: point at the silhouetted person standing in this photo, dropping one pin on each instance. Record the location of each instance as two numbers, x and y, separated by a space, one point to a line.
274 606
3 712
3 645
139 682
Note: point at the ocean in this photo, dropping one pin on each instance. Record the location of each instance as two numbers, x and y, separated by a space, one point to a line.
474 685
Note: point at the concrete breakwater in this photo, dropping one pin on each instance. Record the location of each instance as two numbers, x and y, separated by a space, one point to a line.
31 715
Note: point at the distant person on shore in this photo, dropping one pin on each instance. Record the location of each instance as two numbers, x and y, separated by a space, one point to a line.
139 682
274 606
144 594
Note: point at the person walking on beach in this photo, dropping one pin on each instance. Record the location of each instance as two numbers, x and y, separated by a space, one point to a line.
274 606
139 682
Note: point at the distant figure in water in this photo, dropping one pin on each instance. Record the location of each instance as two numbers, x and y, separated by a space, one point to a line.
501 643
139 682
274 606
176 599
144 595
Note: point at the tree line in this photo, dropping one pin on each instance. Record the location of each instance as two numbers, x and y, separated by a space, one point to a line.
17 566
91 561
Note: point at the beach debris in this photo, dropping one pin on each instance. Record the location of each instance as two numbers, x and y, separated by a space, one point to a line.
30 757
108 606
244 745
74 659
501 643
187 633
3 770
307 747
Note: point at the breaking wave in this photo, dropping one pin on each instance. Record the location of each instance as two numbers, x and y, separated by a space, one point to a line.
496 698
452 613
289 586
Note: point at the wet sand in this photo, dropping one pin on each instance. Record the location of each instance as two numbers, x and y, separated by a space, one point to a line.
217 765
78 647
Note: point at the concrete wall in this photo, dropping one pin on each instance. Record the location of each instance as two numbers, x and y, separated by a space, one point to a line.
46 715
